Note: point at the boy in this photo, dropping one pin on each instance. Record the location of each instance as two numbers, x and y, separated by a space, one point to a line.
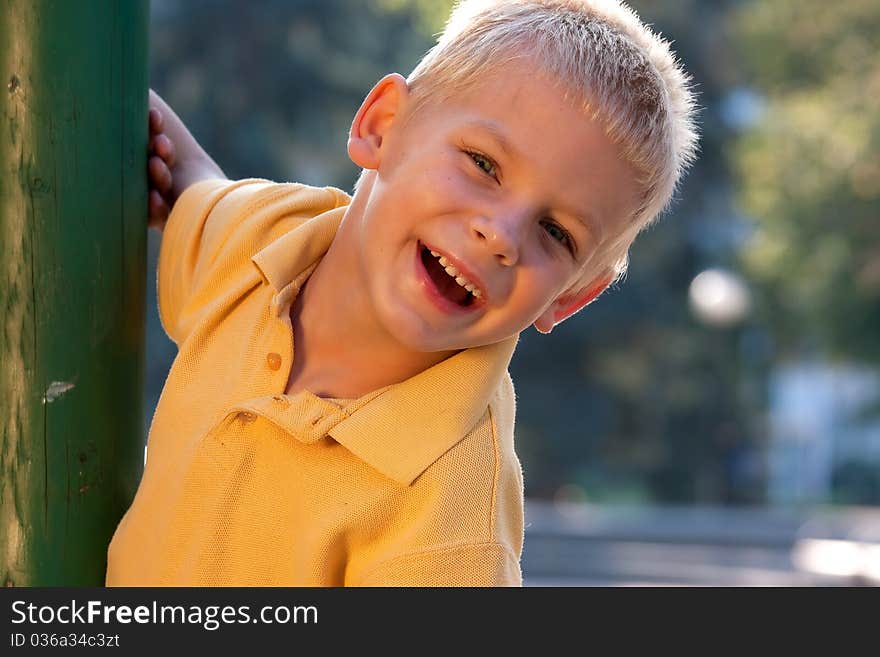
340 412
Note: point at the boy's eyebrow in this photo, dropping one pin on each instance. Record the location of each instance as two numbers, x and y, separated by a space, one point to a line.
496 132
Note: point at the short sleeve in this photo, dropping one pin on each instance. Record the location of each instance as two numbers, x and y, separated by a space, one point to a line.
472 565
200 223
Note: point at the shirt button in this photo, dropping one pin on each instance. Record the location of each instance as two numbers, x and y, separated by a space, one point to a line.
273 360
246 418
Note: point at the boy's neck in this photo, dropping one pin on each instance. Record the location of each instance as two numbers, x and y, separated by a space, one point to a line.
340 348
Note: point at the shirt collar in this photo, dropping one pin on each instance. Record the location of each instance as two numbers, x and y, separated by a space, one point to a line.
402 429
292 254
407 426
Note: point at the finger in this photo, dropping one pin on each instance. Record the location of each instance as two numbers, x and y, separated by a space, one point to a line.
157 123
158 210
164 148
160 176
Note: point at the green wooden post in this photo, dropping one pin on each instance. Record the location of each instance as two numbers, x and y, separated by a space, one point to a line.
73 133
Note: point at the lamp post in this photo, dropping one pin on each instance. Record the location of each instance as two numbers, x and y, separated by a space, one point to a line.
722 301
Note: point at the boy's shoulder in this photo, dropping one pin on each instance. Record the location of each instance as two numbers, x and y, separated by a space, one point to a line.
219 229
218 220
254 210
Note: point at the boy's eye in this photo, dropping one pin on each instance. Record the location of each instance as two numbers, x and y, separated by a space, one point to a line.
558 233
484 163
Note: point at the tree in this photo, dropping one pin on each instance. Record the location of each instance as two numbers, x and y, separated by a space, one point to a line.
810 171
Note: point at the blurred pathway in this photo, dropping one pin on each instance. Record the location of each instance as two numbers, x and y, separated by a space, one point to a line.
576 545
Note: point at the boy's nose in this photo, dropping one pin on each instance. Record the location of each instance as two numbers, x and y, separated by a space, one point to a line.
499 237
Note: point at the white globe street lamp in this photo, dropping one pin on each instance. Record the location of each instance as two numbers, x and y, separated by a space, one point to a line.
719 298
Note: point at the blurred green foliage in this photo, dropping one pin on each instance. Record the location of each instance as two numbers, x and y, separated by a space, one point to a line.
271 86
430 14
810 171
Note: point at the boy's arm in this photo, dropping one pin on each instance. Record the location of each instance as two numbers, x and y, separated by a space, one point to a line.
482 564
176 161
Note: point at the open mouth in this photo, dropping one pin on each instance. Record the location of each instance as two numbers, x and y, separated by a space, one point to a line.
448 280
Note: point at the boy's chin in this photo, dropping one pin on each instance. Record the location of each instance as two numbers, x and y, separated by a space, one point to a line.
427 343
417 334
435 344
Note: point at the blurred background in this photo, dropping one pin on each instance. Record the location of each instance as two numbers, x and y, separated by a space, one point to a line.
714 419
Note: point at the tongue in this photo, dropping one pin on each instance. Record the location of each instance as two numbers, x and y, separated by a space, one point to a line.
444 282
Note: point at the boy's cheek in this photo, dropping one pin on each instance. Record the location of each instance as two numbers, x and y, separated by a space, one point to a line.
569 305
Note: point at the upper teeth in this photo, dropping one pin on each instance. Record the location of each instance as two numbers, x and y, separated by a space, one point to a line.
454 273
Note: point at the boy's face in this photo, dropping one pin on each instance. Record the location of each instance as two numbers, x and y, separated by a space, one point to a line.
513 187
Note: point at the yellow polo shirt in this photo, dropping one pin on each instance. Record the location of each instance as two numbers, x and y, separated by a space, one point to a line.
414 484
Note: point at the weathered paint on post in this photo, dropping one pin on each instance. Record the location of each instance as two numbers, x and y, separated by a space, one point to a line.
73 132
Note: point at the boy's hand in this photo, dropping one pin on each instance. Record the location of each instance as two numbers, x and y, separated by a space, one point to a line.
174 162
160 163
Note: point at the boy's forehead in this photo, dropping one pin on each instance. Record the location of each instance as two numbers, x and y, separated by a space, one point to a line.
516 107
513 81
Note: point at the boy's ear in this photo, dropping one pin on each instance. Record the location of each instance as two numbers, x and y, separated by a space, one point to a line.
568 303
375 116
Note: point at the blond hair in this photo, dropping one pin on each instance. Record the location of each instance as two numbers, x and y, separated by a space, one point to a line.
621 72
